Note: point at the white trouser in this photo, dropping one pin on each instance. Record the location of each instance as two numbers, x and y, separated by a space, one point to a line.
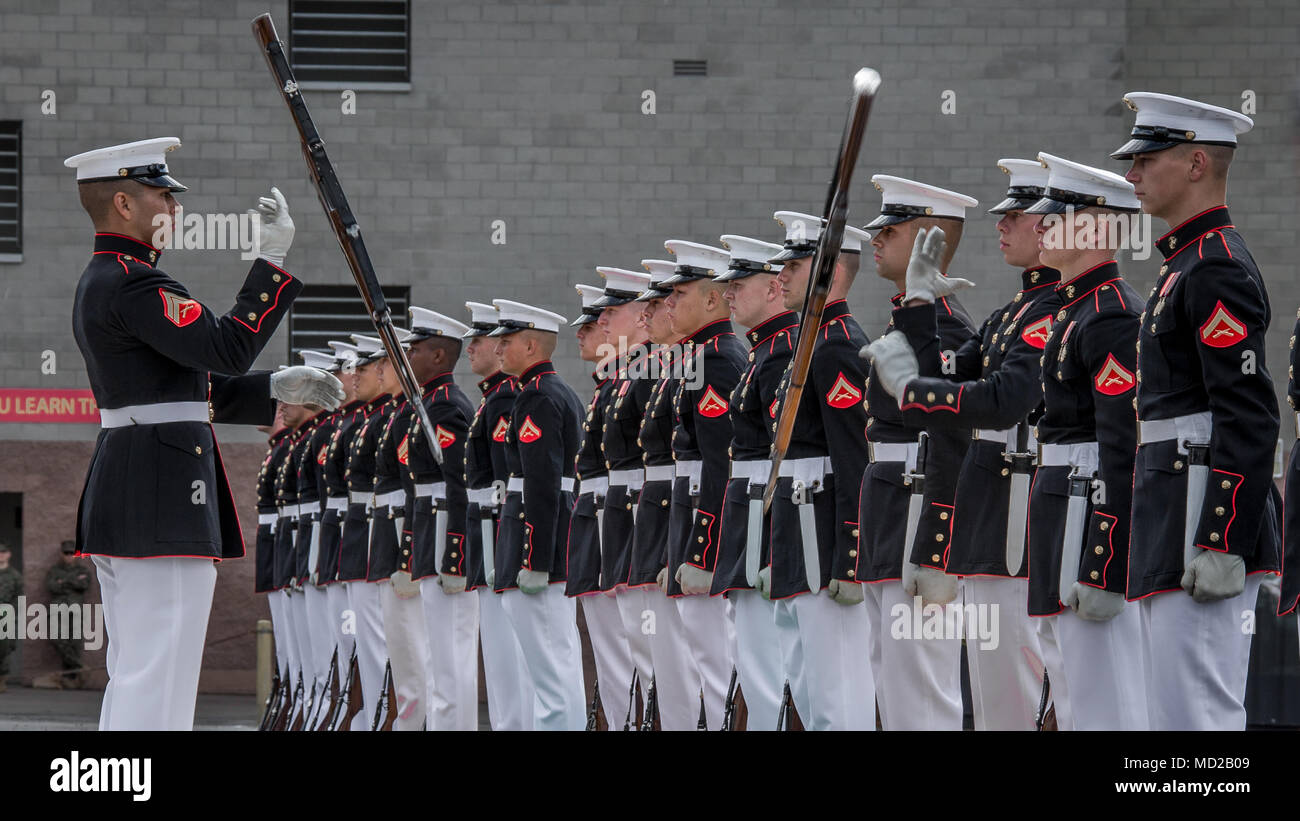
302 637
274 601
288 611
823 654
547 628
1103 670
337 598
758 658
1006 679
633 605
918 677
509 691
321 632
372 652
408 655
156 616
451 628
677 683
612 655
710 634
1197 659
1050 645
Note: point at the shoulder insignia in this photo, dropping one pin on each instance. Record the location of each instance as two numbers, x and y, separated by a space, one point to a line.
404 449
843 393
1222 329
528 431
711 404
322 454
502 428
1036 333
179 310
1114 378
445 437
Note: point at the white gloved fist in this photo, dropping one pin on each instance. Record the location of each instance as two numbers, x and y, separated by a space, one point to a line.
532 581
894 362
693 580
276 227
1095 604
403 587
1213 576
763 584
924 280
662 579
450 584
304 385
846 593
933 586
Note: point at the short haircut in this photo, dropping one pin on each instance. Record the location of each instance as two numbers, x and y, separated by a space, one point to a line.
97 197
952 229
449 345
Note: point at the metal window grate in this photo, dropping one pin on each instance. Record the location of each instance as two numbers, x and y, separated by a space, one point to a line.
11 187
690 68
350 41
325 312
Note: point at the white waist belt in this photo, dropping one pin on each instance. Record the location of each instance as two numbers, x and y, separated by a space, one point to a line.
567 483
360 497
596 485
288 511
516 484
631 479
691 470
892 452
1005 437
339 503
481 496
307 509
438 490
390 499
810 470
755 470
660 473
1080 454
155 414
1194 428
266 518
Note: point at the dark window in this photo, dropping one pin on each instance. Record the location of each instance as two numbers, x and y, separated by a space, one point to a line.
325 312
11 188
690 68
350 43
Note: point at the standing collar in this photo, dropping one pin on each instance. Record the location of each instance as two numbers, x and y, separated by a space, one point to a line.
487 383
536 370
835 311
122 244
436 381
1193 229
1089 281
1038 276
772 325
716 328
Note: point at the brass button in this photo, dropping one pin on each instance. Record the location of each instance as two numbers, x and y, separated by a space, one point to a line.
1006 471
938 537
1098 550
1218 511
1178 464
1093 575
1214 537
935 558
198 449
855 533
521 515
911 396
264 296
664 503
275 277
697 557
1104 526
853 554
944 516
252 317
699 539
851 573
405 552
453 555
629 505
929 397
1225 484
704 521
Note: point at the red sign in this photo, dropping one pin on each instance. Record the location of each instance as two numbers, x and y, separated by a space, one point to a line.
76 405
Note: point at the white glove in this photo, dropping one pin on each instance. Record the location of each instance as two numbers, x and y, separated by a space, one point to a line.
450 584
276 233
764 582
1095 604
842 592
924 281
894 361
933 586
303 385
662 579
403 586
1212 576
693 580
532 581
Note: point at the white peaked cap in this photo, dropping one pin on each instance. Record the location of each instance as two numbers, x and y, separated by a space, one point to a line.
661 270
1075 185
483 318
516 316
1164 120
621 285
426 323
802 231
1025 184
144 161
903 199
317 359
345 354
748 257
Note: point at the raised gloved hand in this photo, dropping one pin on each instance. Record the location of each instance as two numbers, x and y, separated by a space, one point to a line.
933 586
844 592
924 280
763 584
693 580
403 586
1213 576
450 584
304 385
662 579
1093 603
532 581
894 361
276 227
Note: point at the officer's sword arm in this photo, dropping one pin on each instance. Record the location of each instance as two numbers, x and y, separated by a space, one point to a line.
542 469
843 427
242 400
457 503
944 456
1242 404
712 433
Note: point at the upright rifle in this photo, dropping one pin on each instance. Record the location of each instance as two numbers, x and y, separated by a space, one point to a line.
341 218
834 215
349 700
386 709
272 703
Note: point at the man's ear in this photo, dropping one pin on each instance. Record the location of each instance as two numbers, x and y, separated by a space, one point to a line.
122 205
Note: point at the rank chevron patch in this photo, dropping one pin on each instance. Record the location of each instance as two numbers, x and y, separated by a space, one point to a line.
179 310
445 437
843 394
404 449
529 431
502 428
711 404
1222 329
1036 333
1114 378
